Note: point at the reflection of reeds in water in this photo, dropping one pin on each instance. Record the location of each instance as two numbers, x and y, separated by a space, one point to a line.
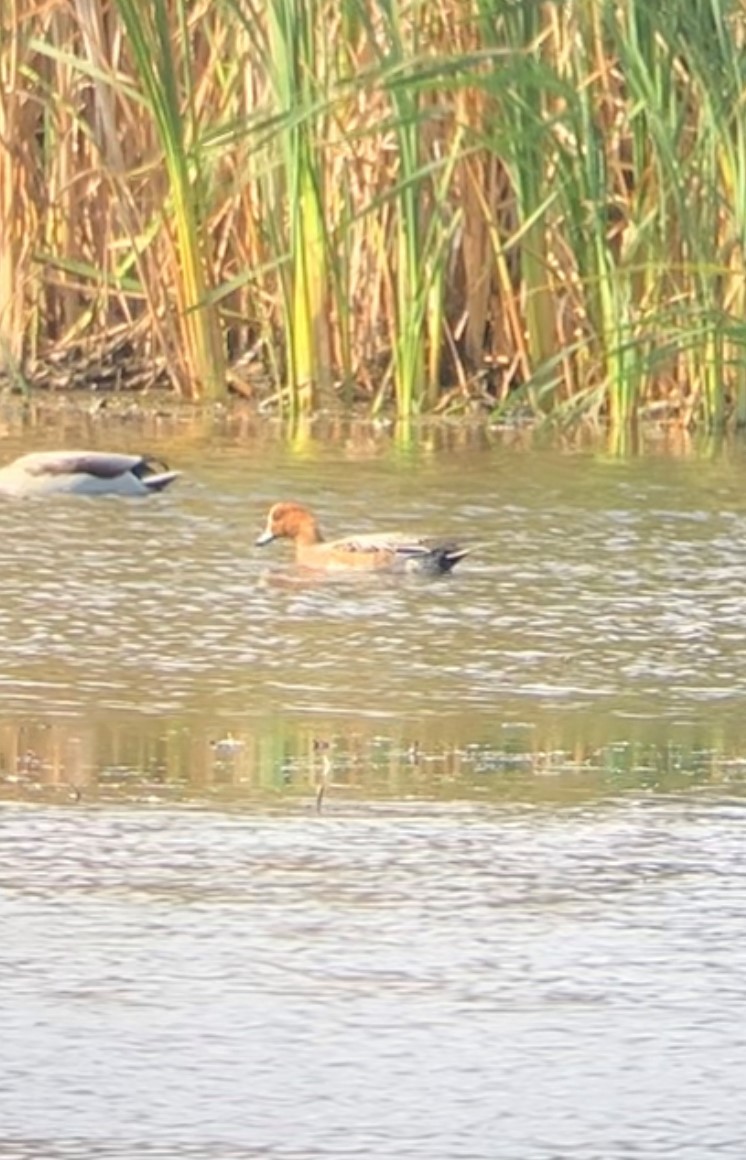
38 756
541 206
144 763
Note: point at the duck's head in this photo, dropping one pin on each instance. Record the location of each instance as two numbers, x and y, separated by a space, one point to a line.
291 521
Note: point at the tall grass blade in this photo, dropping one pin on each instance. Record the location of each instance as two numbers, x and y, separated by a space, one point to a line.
168 103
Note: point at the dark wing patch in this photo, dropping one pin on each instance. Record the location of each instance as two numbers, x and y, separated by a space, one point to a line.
102 466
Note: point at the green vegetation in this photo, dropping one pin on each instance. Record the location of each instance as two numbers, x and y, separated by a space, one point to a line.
468 205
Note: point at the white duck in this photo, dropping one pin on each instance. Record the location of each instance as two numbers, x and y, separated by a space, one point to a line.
84 473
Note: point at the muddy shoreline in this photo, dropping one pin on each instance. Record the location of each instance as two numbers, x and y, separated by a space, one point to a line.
78 417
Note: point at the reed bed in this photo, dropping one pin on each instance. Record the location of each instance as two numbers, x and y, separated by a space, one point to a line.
451 205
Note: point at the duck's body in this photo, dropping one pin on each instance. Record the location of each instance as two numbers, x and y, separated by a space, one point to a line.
393 552
83 473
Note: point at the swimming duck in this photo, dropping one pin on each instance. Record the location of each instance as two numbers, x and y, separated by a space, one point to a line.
394 552
84 473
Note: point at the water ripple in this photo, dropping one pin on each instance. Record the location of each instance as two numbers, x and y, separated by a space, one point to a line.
404 978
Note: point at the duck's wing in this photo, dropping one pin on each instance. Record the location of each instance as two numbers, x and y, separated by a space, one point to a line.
84 473
98 464
379 542
398 550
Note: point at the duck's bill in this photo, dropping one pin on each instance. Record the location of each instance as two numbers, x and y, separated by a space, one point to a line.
265 538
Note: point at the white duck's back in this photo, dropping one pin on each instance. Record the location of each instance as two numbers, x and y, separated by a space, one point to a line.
42 473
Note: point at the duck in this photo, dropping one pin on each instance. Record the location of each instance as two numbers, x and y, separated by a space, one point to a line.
42 473
393 552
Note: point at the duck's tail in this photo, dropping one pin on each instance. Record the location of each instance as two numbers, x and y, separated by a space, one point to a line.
158 482
450 555
154 474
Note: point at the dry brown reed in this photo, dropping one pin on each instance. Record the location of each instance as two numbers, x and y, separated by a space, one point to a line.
463 205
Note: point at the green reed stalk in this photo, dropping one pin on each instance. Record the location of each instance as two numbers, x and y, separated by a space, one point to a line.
424 220
296 70
622 221
603 270
409 336
714 51
519 85
169 101
681 115
645 171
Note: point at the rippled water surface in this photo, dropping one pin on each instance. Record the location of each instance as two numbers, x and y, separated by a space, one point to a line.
375 867
462 982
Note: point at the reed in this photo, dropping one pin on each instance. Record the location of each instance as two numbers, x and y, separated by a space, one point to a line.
19 207
469 204
167 91
297 68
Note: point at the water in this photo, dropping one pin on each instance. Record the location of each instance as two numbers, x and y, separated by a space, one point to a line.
417 981
514 928
603 615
